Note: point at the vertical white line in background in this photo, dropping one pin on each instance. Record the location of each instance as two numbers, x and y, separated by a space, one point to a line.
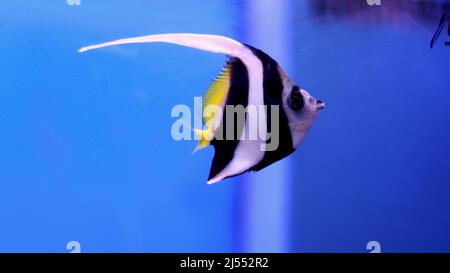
267 195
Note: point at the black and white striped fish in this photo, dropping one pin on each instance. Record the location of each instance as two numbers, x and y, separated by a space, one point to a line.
250 78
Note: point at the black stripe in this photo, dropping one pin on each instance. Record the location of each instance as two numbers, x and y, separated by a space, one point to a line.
237 95
273 91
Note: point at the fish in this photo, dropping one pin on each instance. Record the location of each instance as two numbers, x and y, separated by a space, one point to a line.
250 77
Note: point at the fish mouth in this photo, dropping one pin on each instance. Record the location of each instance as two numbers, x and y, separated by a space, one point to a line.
320 105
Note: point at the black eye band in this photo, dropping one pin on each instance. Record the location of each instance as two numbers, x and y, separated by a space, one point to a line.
296 101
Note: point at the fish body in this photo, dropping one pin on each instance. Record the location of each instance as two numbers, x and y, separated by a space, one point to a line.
250 78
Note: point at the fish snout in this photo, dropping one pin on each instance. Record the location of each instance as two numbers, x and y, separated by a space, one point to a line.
320 105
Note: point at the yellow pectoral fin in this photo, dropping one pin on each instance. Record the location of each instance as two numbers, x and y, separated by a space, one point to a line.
205 137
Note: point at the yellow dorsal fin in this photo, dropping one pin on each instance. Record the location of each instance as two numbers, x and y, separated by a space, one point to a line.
218 90
216 94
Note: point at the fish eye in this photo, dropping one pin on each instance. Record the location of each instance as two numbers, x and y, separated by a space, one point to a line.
296 100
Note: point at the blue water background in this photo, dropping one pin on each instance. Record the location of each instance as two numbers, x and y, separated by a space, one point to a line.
86 152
